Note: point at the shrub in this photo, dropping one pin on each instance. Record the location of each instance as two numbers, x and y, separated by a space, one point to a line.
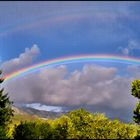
46 130
2 133
63 128
26 130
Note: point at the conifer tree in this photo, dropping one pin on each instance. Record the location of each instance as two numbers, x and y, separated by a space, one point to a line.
6 111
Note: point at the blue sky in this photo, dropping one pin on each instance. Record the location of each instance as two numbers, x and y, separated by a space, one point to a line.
66 28
31 32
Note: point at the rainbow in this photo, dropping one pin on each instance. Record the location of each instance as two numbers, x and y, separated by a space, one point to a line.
72 59
53 19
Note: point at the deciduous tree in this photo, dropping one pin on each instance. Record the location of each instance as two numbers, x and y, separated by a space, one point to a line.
136 93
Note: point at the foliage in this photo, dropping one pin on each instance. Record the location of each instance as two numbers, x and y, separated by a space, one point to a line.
136 88
45 129
136 93
77 124
2 133
63 128
82 121
138 133
6 111
136 111
26 130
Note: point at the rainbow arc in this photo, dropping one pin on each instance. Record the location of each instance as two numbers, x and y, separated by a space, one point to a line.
72 59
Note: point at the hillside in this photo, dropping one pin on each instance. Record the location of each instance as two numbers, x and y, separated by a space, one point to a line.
20 115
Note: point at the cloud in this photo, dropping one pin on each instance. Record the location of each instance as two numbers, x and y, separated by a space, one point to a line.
133 44
101 88
131 47
23 60
125 51
134 71
93 85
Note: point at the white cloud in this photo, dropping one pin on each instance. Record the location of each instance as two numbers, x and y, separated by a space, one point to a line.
132 45
24 59
125 51
134 70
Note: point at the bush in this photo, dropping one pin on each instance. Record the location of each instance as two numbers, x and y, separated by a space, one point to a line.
138 133
46 130
26 130
2 133
63 128
33 130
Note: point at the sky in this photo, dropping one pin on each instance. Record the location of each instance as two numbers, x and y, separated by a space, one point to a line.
33 32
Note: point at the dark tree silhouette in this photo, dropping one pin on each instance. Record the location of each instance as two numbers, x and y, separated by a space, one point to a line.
6 111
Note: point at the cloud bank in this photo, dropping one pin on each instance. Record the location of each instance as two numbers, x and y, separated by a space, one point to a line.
93 85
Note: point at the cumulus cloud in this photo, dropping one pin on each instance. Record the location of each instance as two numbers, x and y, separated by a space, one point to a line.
24 59
93 85
132 46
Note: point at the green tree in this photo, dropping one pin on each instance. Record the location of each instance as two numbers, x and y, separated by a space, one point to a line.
46 130
63 128
6 111
27 130
82 121
77 124
136 93
2 133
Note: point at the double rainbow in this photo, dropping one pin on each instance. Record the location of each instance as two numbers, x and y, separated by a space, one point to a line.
72 59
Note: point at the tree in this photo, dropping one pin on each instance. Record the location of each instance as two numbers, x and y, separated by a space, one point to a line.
3 133
27 130
136 93
45 129
6 111
63 128
82 121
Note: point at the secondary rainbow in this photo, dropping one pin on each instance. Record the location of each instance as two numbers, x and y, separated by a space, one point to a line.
72 59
